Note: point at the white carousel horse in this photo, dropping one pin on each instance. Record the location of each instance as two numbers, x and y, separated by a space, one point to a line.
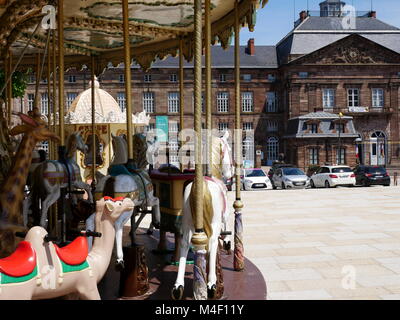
50 176
125 184
215 213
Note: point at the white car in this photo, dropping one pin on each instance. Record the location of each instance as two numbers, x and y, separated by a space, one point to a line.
255 179
333 176
290 178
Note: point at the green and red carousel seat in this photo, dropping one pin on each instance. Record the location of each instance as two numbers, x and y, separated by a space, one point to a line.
75 253
21 263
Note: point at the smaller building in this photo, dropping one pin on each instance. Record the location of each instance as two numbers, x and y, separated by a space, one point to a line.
321 138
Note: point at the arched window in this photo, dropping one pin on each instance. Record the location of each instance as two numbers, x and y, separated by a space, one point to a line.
272 150
378 148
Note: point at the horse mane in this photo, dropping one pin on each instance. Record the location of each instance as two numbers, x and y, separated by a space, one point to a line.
216 157
140 151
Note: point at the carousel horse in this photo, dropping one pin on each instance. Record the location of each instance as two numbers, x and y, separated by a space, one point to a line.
39 269
51 176
12 188
125 181
215 214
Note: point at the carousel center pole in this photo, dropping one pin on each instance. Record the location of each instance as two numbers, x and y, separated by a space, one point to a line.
94 151
208 85
61 107
199 239
134 276
238 260
181 93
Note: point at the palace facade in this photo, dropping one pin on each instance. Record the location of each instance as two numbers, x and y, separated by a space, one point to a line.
326 93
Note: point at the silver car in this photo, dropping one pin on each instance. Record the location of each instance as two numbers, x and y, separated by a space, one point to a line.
290 178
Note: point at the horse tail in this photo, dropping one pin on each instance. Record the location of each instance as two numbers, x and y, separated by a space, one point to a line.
109 188
208 210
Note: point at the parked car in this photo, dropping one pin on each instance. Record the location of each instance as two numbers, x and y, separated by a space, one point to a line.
290 178
333 176
371 175
255 179
277 166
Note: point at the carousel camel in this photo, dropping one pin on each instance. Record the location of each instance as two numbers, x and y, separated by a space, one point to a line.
12 189
41 270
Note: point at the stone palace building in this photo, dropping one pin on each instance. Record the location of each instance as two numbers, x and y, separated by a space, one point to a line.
328 92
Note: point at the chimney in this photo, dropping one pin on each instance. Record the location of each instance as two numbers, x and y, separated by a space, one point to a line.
251 49
372 14
303 15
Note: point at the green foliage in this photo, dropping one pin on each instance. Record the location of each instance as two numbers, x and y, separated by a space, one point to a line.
19 84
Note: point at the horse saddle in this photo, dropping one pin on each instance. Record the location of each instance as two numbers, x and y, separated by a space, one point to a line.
75 253
21 263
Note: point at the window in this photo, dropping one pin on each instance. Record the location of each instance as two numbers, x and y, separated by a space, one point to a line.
71 78
272 150
147 78
328 98
353 97
71 96
150 127
271 77
247 126
272 125
340 127
377 98
173 77
248 150
314 128
203 104
148 102
272 105
121 100
223 102
173 127
44 104
173 102
44 146
31 78
247 77
222 77
173 146
313 156
303 75
121 78
223 126
340 156
31 101
247 102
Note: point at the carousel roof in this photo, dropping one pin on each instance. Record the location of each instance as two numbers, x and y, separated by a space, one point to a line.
107 109
95 27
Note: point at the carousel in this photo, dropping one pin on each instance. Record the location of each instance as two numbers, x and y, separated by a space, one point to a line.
60 219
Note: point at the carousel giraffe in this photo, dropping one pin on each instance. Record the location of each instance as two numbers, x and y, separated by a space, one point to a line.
12 190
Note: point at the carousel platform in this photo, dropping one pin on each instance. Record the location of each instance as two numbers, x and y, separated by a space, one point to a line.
246 285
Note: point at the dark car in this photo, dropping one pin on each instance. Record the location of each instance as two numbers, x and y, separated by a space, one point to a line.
371 175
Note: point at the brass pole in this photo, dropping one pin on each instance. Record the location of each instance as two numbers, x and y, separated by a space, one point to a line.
181 92
49 95
61 71
238 205
199 238
37 85
128 79
54 95
208 85
9 88
93 122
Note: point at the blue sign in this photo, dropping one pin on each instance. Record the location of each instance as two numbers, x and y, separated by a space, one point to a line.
162 128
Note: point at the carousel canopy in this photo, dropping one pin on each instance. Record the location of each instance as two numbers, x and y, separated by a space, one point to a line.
107 109
95 27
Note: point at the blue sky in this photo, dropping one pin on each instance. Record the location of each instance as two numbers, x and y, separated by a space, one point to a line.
276 19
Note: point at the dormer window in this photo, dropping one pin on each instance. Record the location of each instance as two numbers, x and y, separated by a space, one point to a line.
340 127
314 128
